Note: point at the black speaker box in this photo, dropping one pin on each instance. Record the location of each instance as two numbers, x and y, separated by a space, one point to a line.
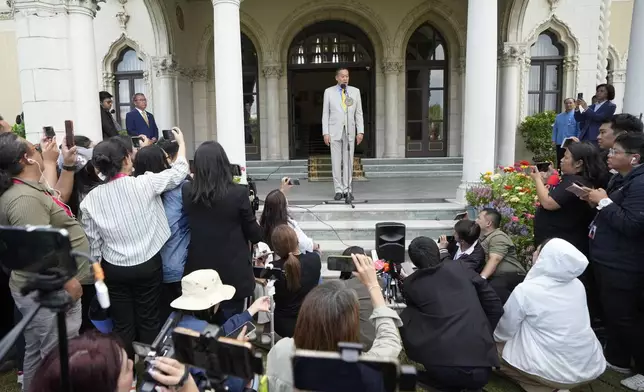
390 241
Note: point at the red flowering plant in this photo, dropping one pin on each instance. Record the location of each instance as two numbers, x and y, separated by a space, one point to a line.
512 192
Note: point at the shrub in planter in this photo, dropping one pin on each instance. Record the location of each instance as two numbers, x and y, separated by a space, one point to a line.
511 192
537 134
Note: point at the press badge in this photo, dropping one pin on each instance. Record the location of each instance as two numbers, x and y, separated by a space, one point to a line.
591 233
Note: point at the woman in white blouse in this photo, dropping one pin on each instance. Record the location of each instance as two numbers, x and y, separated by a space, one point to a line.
126 226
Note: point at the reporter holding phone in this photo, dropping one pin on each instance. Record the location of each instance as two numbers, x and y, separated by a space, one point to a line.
126 225
26 199
275 213
561 213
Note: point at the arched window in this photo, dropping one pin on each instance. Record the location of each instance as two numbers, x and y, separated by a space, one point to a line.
128 73
546 74
426 61
250 78
324 47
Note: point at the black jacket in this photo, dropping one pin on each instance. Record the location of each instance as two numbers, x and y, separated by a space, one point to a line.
108 125
619 232
474 260
220 236
450 317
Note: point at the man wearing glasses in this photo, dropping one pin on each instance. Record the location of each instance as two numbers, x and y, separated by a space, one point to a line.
140 122
108 123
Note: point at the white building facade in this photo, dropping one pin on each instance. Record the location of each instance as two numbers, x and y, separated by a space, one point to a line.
438 78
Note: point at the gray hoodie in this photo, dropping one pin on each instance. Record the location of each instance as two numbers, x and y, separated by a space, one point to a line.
386 345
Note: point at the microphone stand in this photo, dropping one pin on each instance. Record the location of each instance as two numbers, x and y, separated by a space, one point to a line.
348 166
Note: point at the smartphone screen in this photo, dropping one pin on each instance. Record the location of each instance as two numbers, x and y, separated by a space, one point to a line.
69 133
136 141
461 216
49 131
236 169
250 327
167 134
294 181
450 238
580 95
17 250
340 263
543 166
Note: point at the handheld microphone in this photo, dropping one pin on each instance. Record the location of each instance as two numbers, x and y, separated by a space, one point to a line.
343 86
113 111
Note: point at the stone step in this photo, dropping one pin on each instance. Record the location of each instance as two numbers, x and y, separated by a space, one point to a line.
276 164
277 175
411 161
369 168
414 174
389 212
349 231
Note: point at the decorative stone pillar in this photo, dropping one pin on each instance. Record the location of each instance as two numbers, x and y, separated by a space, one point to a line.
82 59
228 81
571 72
634 93
391 69
509 101
165 108
199 77
480 83
619 80
45 72
273 73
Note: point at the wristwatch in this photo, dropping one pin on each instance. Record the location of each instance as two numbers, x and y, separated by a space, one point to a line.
603 203
70 168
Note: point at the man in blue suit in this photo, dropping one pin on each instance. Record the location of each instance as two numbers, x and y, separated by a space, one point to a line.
595 115
139 121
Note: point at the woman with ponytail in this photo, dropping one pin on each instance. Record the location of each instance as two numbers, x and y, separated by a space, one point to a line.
126 225
302 274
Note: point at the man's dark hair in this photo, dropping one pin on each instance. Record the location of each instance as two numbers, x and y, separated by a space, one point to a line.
467 231
356 250
126 141
424 253
1 118
103 95
626 122
337 71
632 143
170 147
494 215
610 90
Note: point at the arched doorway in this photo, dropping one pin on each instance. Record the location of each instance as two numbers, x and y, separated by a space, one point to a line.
250 83
426 94
314 56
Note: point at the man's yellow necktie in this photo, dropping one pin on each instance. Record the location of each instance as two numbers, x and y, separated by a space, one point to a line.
344 99
145 117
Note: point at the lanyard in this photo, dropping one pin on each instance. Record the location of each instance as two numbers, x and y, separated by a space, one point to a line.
119 175
58 202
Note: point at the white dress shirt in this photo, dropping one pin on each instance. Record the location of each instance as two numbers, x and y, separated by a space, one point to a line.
467 252
124 219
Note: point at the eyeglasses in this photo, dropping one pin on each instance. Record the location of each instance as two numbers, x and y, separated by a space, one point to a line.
613 152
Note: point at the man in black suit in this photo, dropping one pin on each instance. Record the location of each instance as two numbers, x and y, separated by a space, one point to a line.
108 123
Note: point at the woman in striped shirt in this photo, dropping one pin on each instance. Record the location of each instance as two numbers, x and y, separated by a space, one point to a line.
126 225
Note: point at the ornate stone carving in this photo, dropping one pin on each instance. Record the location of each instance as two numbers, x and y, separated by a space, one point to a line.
123 17
273 71
108 81
602 40
618 76
392 66
196 74
84 6
510 54
570 63
553 4
6 15
165 66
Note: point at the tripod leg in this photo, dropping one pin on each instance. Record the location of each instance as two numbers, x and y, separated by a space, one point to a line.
63 349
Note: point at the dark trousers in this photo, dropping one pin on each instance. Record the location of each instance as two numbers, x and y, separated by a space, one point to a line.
228 309
89 292
169 292
592 294
134 295
504 283
19 346
455 379
560 154
621 298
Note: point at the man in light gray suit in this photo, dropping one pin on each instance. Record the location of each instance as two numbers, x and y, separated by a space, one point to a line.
340 103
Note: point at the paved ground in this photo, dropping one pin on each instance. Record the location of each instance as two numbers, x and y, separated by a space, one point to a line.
380 190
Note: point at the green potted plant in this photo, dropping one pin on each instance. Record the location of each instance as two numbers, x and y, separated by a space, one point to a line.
537 134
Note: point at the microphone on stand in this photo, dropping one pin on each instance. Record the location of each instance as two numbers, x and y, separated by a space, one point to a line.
344 87
112 111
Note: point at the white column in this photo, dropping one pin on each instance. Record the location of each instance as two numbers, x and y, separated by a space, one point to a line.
200 108
273 73
509 100
634 93
228 81
392 69
165 102
480 82
45 73
619 81
82 56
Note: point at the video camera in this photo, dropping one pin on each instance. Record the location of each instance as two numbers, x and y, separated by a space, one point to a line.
351 371
252 187
218 357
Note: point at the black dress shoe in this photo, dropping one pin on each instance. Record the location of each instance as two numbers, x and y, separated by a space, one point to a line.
347 196
337 197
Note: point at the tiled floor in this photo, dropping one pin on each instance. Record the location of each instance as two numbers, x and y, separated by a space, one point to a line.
380 190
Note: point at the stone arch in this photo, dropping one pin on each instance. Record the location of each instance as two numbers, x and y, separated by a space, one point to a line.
615 58
354 13
443 18
112 55
512 24
560 29
163 37
248 26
